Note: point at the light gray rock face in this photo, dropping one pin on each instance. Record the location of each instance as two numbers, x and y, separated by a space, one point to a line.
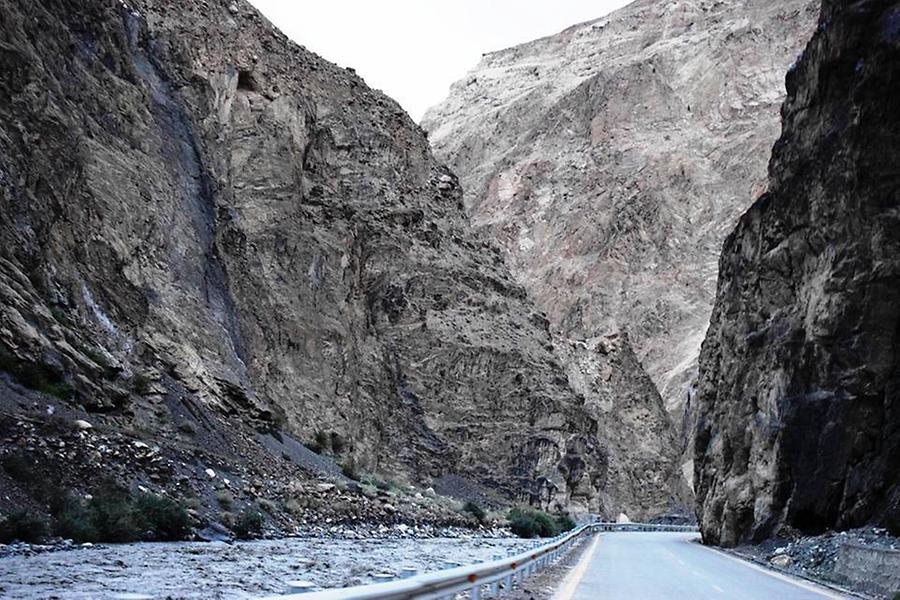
611 160
798 407
634 430
199 217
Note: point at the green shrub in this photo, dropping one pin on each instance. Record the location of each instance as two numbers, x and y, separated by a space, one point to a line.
114 516
75 522
248 524
166 519
564 523
321 443
24 527
476 511
59 316
531 523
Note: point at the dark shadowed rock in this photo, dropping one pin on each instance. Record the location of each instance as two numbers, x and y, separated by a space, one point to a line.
798 406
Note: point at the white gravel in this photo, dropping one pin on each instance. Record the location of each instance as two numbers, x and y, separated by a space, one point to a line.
220 570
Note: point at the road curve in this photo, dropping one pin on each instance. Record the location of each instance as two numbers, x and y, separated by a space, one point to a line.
675 566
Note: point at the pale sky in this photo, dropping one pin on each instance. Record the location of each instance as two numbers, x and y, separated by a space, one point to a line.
414 49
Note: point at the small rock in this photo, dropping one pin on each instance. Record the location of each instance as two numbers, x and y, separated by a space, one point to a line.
82 425
781 560
210 473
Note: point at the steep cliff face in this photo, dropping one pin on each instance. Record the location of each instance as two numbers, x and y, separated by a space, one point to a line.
642 478
611 160
798 398
209 229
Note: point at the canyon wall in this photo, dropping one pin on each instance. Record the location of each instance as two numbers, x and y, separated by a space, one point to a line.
611 160
211 236
798 408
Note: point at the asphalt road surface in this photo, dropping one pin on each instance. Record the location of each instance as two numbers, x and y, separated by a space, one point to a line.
675 566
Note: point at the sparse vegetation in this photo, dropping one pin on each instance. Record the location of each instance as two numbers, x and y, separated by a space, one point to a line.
381 484
225 499
248 524
476 511
166 519
140 384
24 527
348 468
338 443
328 443
564 523
18 465
112 515
531 523
34 376
60 316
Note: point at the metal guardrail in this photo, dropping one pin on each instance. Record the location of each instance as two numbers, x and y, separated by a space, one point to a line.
485 579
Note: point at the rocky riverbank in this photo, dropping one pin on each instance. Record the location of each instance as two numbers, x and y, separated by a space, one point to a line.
240 570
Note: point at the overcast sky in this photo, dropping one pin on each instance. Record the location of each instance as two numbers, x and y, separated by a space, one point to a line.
414 49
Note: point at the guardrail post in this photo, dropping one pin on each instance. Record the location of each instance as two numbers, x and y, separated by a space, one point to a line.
476 592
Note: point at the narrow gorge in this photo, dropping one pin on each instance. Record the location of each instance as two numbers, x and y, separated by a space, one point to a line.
644 269
798 411
610 161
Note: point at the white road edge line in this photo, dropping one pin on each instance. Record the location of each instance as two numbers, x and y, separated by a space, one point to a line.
570 583
810 587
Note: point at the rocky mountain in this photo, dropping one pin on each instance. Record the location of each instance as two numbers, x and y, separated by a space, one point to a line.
799 415
216 245
611 160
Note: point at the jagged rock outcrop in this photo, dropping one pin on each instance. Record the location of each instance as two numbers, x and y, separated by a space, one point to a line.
799 412
635 433
209 231
612 159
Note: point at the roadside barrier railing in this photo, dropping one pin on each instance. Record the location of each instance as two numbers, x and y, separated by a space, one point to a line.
480 580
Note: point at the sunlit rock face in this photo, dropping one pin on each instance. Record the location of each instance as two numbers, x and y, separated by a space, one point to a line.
204 222
798 410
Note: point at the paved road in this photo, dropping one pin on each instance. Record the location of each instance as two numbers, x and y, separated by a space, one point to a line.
673 566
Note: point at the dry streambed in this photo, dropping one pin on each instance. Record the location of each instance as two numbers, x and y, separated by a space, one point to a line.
220 570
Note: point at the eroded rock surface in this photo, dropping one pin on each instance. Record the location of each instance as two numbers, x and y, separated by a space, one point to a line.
208 231
612 159
799 414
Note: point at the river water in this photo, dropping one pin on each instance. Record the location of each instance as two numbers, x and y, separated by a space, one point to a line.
220 570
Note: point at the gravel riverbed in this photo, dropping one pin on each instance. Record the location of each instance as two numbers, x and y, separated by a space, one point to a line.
222 570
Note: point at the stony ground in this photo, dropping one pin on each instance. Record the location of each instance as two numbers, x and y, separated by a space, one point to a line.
219 570
815 557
